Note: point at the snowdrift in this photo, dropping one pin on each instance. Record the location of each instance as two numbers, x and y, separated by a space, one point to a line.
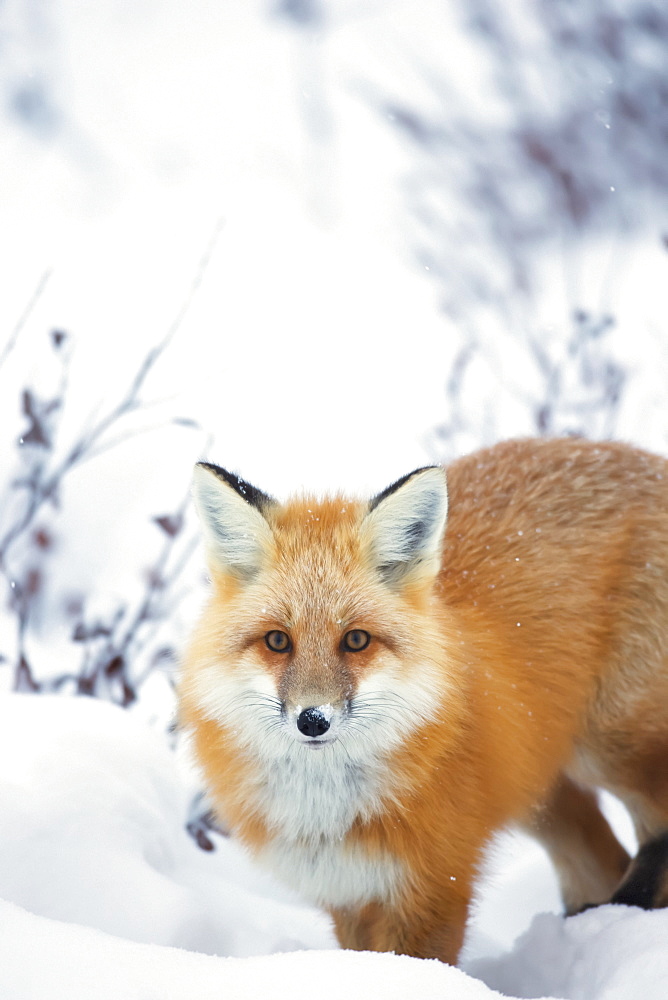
105 895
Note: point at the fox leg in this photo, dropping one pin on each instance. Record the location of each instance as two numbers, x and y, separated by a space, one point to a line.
355 928
427 935
646 883
642 785
589 859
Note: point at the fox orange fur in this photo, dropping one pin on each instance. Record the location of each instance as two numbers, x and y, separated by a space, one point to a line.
376 688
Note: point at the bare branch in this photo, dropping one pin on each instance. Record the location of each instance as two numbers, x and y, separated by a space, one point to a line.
24 317
88 443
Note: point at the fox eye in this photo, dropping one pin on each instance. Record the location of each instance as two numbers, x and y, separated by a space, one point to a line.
278 641
356 640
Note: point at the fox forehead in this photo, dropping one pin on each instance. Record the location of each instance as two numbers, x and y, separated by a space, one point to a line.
317 602
321 533
318 571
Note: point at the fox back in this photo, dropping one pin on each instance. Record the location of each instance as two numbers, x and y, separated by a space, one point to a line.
376 687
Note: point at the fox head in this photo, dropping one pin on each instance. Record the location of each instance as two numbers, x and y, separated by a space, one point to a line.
320 629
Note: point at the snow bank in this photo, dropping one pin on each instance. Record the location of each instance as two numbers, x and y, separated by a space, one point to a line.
611 952
105 895
92 828
49 960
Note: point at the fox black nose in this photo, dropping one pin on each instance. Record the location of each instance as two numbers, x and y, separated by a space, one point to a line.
312 722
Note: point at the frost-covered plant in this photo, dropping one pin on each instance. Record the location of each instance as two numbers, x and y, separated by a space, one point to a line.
112 653
547 384
105 653
573 143
566 151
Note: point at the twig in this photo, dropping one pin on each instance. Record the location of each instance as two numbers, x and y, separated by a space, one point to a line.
83 448
24 317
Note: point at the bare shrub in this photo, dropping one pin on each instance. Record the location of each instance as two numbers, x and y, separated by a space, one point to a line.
570 154
575 145
548 385
111 654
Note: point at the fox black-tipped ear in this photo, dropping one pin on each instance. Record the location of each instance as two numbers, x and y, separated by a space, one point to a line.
405 524
236 534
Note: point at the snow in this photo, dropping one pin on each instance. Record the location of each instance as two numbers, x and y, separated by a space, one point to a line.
76 962
103 893
97 798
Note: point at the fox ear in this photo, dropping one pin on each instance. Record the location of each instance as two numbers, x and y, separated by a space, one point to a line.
405 524
235 531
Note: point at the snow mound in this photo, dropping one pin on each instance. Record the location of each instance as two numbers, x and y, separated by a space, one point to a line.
75 962
104 895
92 827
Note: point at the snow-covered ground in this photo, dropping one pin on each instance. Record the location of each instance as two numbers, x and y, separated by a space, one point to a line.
105 895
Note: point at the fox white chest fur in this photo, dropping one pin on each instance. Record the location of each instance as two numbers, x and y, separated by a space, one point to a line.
309 799
332 873
309 794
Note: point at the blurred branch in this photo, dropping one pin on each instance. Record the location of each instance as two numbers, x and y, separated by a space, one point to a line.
24 317
112 649
114 652
570 386
576 147
567 146
42 486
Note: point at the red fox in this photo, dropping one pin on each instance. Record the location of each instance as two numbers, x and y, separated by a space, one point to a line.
376 688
